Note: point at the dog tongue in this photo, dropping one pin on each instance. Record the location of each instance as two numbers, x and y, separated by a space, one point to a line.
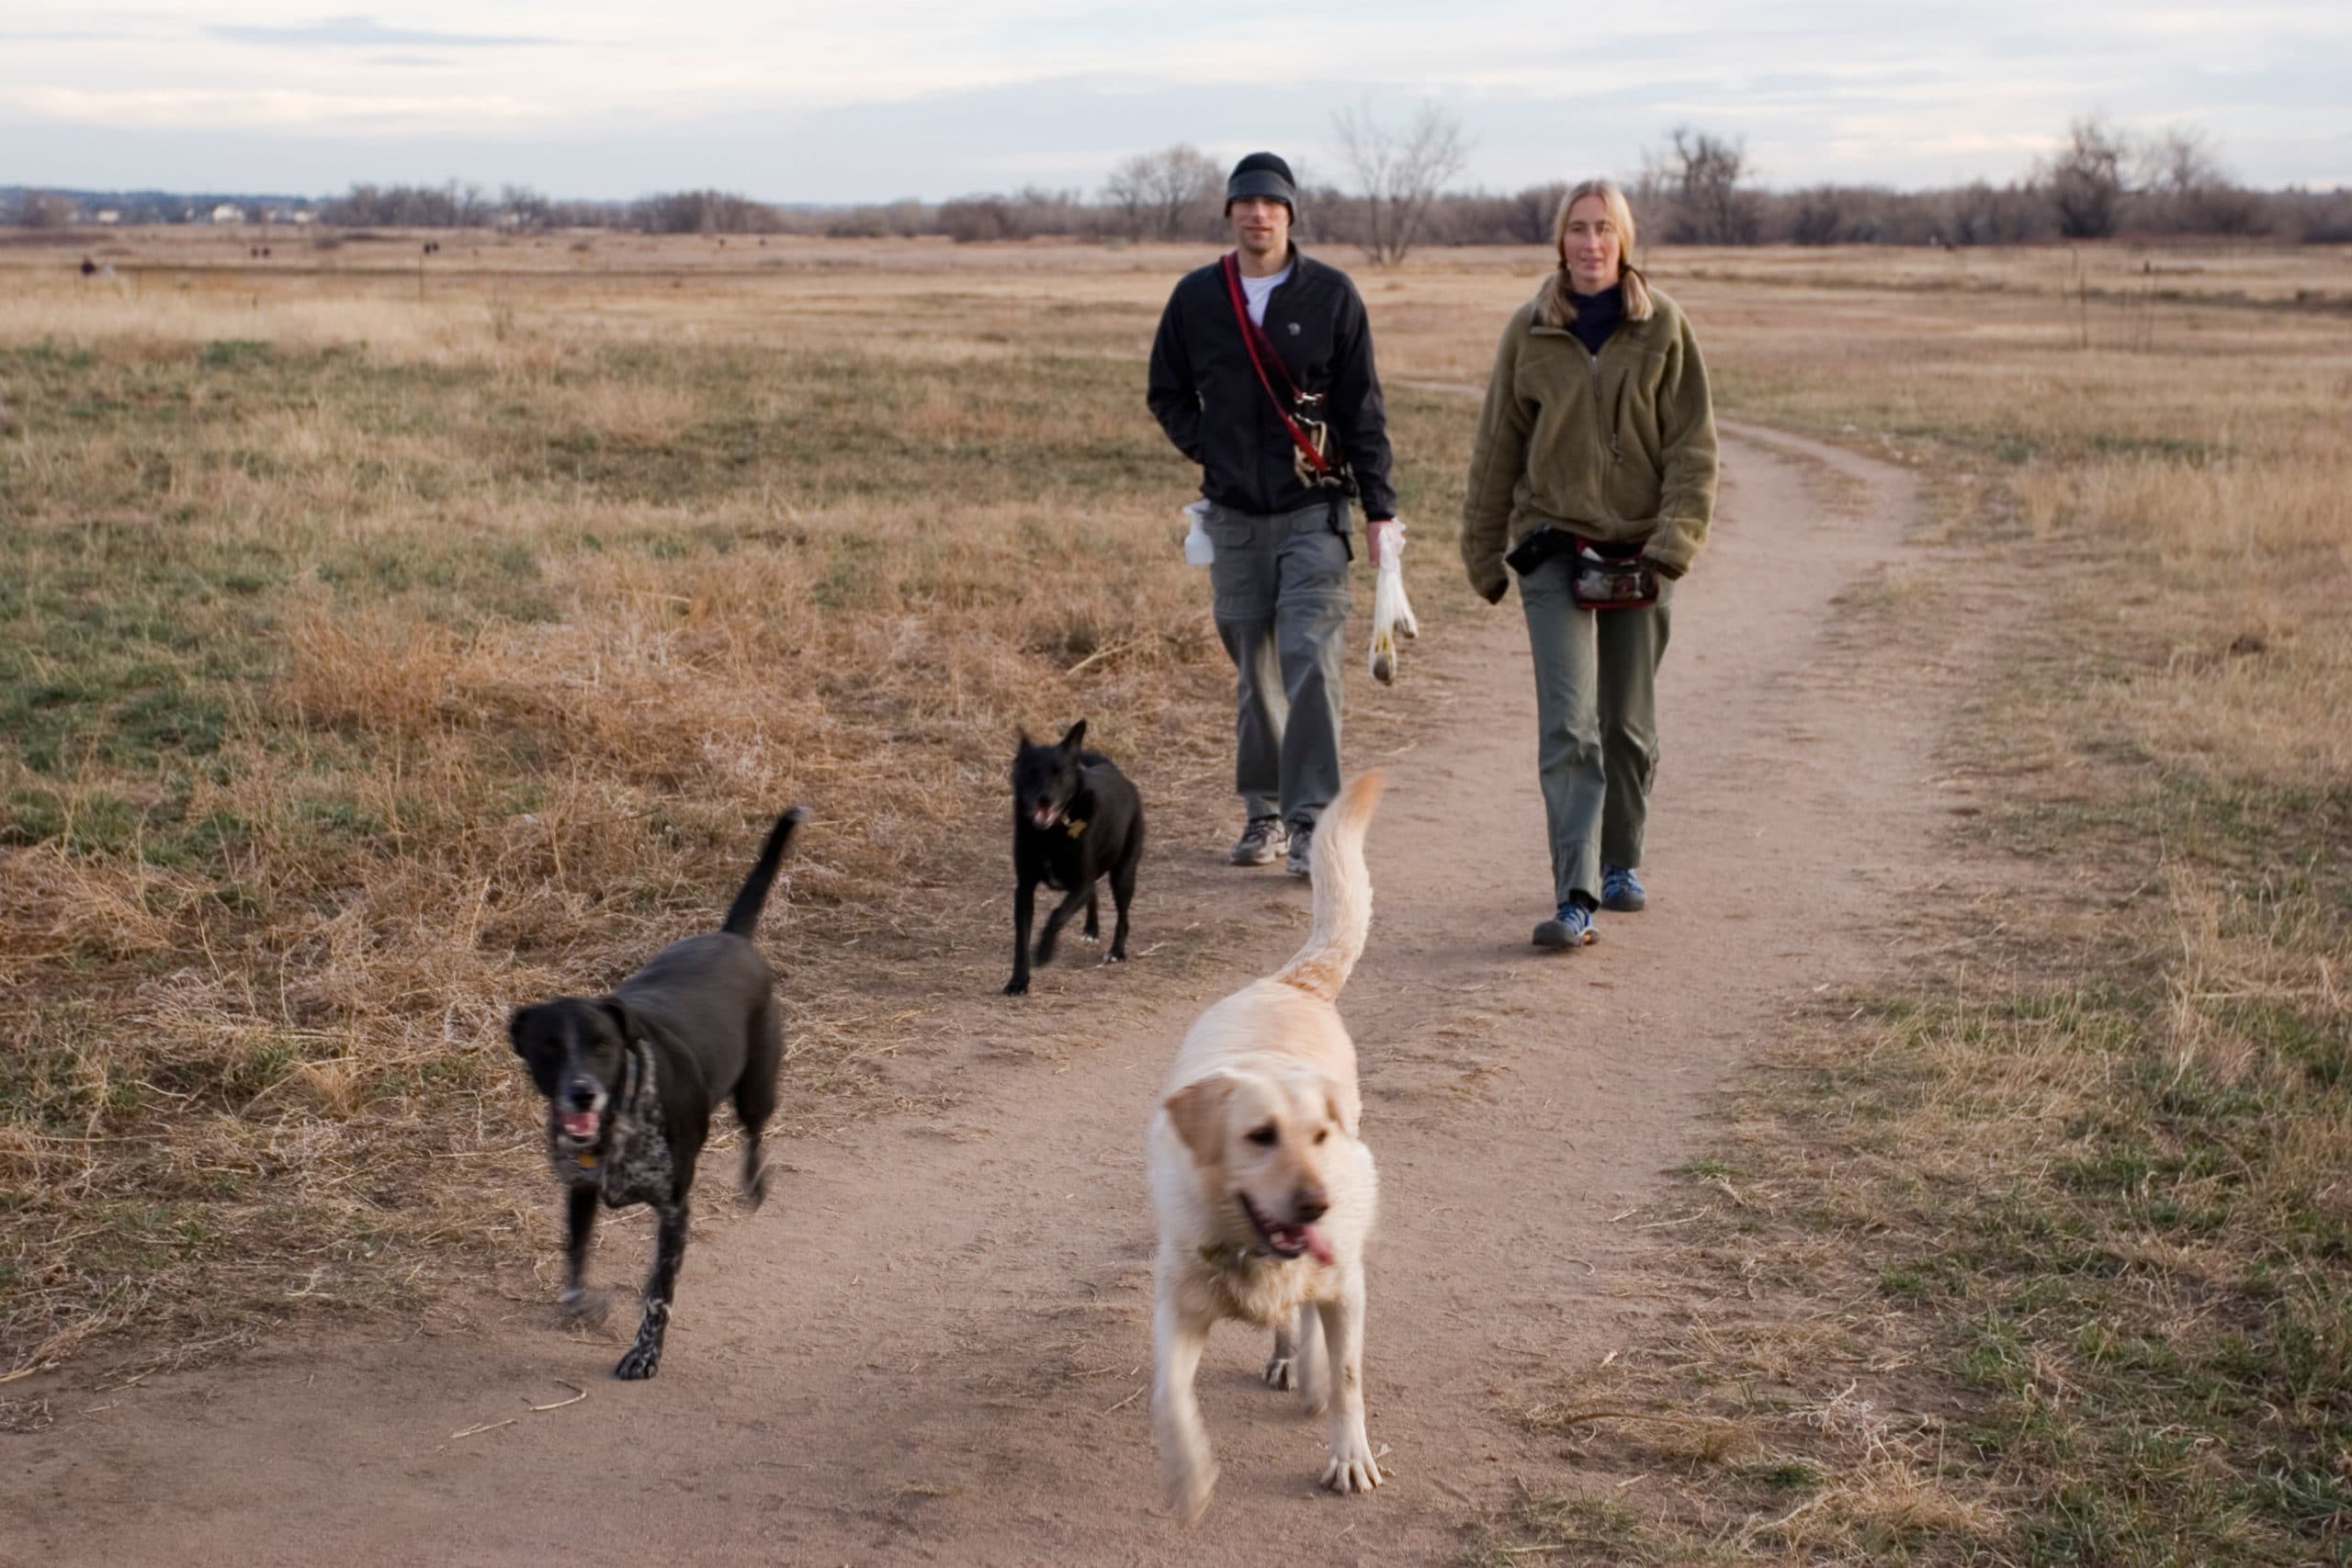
1317 1245
580 1123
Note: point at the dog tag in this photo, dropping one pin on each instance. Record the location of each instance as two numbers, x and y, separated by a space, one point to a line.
1077 827
587 1162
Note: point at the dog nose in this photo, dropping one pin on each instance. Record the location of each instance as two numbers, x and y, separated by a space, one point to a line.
1308 1205
583 1096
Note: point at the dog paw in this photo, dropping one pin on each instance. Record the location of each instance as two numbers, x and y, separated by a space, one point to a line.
1017 986
1189 1486
1092 938
586 1306
642 1362
755 1178
1352 1468
1280 1371
1115 956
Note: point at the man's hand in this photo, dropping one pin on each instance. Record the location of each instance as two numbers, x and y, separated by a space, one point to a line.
1386 538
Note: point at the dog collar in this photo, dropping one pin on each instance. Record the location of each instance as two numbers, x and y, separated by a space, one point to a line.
636 1071
1231 1255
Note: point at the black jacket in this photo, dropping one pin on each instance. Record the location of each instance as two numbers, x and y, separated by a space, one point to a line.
1206 396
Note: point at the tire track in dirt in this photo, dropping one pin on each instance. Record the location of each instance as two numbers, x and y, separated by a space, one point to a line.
935 1344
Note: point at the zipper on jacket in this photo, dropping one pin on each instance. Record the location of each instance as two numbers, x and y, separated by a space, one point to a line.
1601 420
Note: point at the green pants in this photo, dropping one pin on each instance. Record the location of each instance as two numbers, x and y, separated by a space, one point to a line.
1596 723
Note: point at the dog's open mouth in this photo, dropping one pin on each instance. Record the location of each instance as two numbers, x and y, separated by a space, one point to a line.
1287 1241
1044 815
580 1127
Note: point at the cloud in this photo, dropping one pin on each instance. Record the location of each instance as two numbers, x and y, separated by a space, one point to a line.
271 107
840 99
365 32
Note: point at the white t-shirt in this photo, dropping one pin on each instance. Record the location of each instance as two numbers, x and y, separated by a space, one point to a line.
1254 291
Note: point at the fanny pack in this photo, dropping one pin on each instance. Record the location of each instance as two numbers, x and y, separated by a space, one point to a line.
1600 577
1300 413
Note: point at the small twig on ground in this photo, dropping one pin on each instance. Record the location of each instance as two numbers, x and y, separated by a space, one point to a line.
578 1393
485 1426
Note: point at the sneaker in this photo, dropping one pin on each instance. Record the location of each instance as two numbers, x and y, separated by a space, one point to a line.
1621 890
1572 927
1261 842
1302 850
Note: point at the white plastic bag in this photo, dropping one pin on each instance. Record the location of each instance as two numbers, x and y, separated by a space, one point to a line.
1391 613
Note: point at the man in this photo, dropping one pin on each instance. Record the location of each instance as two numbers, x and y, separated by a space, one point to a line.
1277 516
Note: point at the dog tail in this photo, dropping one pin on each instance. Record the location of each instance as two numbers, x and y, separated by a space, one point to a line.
743 915
1342 892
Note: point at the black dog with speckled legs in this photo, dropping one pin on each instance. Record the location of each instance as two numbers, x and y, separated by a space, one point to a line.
631 1080
1075 819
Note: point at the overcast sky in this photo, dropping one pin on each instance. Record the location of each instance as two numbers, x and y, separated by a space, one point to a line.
844 100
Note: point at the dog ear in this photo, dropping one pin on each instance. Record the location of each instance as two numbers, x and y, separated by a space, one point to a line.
623 1019
514 1030
1076 734
1197 1113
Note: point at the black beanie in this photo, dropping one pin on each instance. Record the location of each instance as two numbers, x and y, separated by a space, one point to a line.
1263 174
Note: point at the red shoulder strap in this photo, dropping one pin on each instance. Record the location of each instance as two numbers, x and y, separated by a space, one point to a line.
1259 352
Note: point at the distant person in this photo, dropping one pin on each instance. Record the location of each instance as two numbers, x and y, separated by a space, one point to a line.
1287 425
89 267
1593 478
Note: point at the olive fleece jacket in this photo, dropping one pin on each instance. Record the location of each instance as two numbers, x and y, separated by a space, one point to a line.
1618 447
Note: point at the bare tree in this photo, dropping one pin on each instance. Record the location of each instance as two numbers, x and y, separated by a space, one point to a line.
1701 176
1398 171
1165 195
40 210
1184 190
520 206
1819 217
2181 174
2085 180
1534 211
1129 192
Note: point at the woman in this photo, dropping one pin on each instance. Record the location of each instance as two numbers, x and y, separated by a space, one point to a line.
1598 439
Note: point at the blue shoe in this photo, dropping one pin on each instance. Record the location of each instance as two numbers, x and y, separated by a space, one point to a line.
1572 927
1621 890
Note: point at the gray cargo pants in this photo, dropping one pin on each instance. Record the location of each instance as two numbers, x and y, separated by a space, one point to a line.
1281 584
1596 725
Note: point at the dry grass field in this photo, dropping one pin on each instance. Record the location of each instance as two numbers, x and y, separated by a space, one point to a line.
383 642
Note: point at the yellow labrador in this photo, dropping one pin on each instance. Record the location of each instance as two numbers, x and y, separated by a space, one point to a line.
1264 1192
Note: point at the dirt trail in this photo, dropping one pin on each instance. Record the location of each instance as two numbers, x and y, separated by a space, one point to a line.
933 1345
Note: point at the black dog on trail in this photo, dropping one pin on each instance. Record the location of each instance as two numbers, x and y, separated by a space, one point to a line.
631 1080
1075 818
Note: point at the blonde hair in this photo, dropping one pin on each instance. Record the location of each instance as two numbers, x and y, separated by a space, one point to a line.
1555 306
